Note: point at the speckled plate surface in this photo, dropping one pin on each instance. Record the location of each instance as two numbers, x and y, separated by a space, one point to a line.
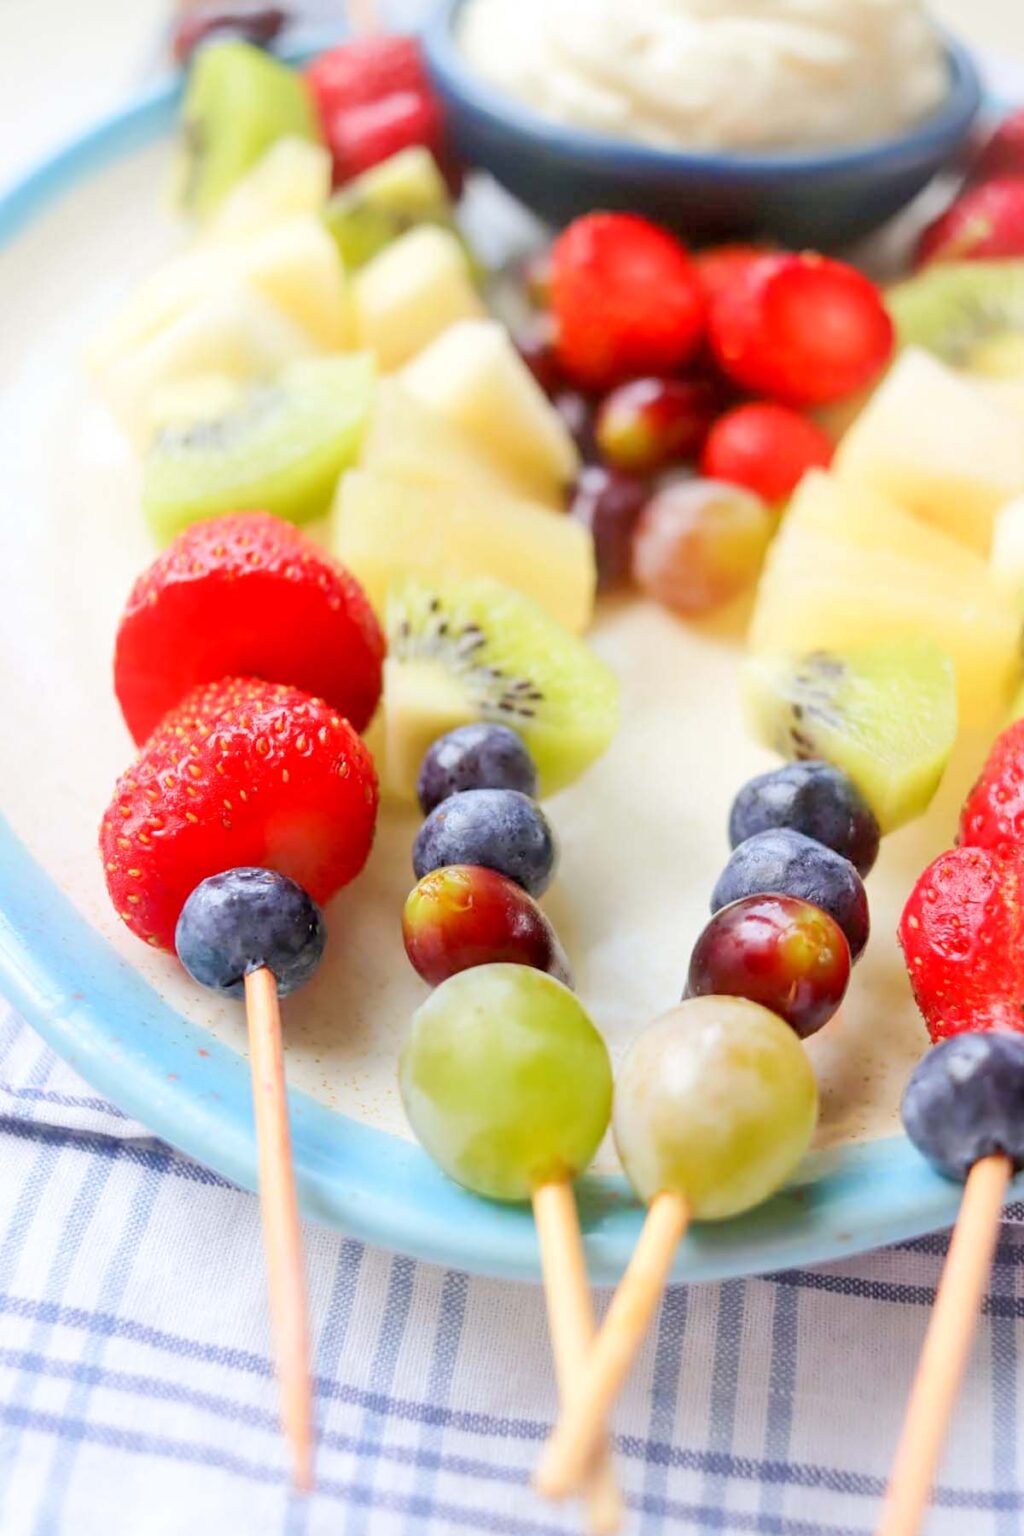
642 834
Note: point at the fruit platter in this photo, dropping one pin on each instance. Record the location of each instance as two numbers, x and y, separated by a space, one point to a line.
524 602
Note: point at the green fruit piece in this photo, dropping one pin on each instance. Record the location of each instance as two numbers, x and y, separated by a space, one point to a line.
969 313
237 103
386 201
281 448
460 651
886 714
505 1081
715 1101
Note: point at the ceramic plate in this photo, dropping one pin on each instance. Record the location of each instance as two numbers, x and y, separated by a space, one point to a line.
643 834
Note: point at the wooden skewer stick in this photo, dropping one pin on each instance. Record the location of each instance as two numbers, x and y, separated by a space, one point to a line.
946 1347
571 1324
282 1238
567 1454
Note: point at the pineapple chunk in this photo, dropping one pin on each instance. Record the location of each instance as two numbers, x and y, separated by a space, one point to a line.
473 376
934 442
234 333
387 525
1008 551
405 439
842 574
416 288
293 177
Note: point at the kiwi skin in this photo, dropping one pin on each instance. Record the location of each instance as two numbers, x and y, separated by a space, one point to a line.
969 313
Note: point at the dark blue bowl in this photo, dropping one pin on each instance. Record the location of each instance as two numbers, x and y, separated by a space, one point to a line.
823 200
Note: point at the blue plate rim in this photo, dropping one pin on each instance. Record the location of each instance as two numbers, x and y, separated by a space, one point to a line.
115 1030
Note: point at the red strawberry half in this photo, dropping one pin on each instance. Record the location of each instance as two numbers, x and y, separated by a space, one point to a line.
246 596
1003 154
242 772
365 69
993 813
986 222
961 934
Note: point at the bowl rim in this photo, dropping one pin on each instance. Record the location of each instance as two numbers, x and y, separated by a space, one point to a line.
455 78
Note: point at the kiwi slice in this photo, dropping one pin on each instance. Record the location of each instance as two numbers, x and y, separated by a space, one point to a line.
374 209
460 651
281 447
969 313
237 103
885 714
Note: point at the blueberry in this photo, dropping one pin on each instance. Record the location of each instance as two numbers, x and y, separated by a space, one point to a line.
814 798
245 919
787 863
965 1100
501 829
477 756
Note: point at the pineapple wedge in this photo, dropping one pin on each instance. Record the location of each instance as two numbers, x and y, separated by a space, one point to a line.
404 438
385 526
412 291
293 177
474 377
847 569
933 441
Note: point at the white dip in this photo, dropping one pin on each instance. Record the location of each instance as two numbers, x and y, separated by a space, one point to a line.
714 74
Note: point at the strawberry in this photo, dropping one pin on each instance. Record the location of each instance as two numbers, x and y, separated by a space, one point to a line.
246 595
986 221
1003 154
361 137
801 329
768 448
720 266
961 934
993 813
365 70
241 773
626 300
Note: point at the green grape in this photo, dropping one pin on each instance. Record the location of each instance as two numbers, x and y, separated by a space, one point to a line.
505 1080
716 1100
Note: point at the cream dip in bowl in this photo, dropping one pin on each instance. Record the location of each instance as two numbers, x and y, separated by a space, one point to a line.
809 121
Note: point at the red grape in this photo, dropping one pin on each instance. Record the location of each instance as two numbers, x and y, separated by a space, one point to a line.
464 915
700 543
649 423
609 503
536 347
784 953
253 23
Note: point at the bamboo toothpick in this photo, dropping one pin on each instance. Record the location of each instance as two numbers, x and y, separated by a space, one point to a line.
946 1347
281 1235
571 1325
567 1454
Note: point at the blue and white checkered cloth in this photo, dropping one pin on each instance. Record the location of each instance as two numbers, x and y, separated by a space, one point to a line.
136 1394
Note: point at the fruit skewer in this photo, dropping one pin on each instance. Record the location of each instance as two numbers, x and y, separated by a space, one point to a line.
254 932
715 1105
508 1085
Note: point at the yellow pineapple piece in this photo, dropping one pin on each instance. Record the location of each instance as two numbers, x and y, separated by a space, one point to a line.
385 526
412 291
474 377
932 440
404 438
293 177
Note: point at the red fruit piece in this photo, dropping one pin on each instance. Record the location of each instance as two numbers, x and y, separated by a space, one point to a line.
766 447
361 137
463 915
993 813
779 951
1003 155
801 329
986 222
721 266
626 300
242 772
648 423
364 70
961 937
246 595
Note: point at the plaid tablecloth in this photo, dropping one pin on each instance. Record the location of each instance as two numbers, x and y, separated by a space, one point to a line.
136 1396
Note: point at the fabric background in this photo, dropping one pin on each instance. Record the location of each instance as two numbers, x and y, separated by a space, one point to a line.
136 1395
